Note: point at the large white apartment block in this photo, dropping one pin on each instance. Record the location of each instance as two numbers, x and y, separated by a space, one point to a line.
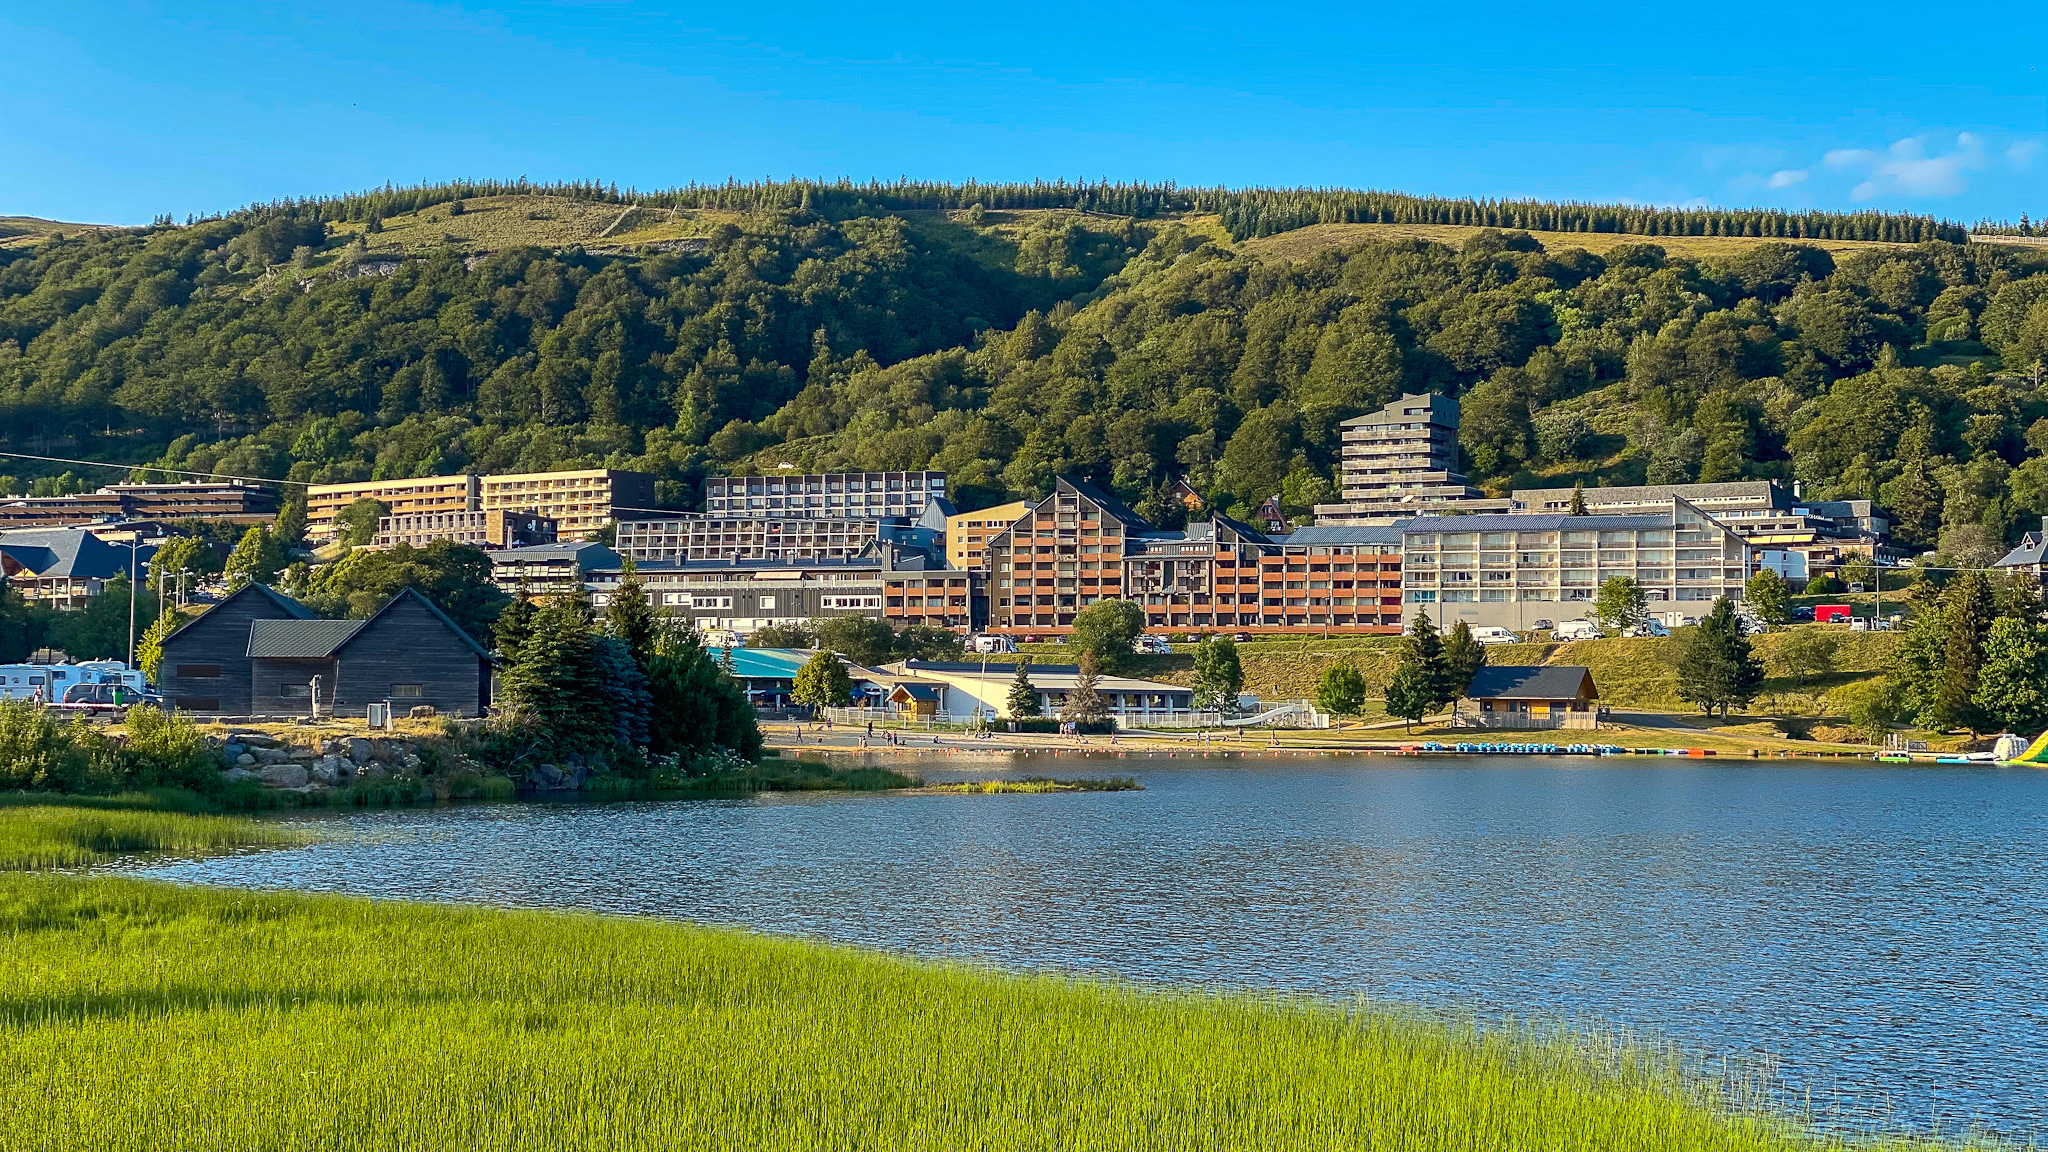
830 494
1399 461
1509 571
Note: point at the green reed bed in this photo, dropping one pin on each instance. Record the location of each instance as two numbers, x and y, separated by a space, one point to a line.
1033 784
142 1016
67 832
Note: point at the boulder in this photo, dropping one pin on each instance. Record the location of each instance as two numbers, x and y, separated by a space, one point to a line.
237 774
245 759
326 770
232 750
372 770
359 749
286 775
344 770
274 756
256 739
551 776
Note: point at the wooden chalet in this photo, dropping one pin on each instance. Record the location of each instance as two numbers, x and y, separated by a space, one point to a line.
1531 696
258 652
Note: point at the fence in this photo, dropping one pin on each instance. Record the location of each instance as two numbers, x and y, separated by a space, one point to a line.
1293 714
1558 718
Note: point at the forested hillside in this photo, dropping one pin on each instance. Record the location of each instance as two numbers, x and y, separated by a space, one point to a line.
1117 332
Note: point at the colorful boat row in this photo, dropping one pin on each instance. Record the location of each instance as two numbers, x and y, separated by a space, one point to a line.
1520 749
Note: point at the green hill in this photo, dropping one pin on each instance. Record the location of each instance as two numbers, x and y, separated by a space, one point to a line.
1008 333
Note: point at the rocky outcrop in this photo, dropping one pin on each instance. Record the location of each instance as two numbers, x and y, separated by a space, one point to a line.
316 763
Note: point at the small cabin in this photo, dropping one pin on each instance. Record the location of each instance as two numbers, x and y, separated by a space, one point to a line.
1531 696
917 701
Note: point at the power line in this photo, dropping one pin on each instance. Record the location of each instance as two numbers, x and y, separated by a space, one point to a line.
152 468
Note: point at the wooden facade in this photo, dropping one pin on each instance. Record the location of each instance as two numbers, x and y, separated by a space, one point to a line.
206 666
257 653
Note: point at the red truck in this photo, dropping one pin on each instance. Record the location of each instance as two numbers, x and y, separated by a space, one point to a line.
1831 613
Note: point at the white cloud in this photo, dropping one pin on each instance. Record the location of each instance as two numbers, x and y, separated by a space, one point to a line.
1907 168
2023 154
1787 178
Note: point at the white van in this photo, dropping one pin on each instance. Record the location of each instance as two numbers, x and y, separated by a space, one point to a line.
1576 630
1146 645
989 644
1495 636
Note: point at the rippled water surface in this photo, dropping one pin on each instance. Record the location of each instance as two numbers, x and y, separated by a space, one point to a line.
1879 931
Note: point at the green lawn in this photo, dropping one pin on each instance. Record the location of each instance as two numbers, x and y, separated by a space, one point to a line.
149 1017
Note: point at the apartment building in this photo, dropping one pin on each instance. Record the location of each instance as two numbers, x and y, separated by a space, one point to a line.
694 537
551 569
1510 571
832 494
745 595
1764 512
188 500
500 529
1399 461
943 599
1078 546
967 533
419 495
580 502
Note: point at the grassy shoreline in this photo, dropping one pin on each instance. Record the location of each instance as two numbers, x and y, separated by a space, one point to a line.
47 831
319 1022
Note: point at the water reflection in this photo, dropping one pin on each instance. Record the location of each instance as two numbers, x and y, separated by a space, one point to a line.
1881 930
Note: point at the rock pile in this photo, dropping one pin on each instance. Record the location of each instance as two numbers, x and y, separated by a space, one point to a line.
329 762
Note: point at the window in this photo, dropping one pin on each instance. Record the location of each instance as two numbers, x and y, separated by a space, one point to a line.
413 691
767 603
199 672
198 704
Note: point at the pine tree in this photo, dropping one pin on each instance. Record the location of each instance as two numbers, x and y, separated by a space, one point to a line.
1718 669
1463 658
1409 694
629 618
556 680
1084 703
1578 507
514 623
1023 694
1424 650
1966 611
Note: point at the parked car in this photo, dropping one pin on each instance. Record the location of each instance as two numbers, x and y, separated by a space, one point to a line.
1495 636
1577 630
1544 625
1241 638
91 698
1150 645
1650 628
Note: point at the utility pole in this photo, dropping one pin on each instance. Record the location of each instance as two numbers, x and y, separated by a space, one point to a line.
131 597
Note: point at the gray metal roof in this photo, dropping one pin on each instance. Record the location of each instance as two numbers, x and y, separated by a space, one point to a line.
1766 490
2033 550
299 639
1531 682
1349 533
583 552
1527 522
72 552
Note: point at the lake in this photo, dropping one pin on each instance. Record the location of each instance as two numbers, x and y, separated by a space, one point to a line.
1880 933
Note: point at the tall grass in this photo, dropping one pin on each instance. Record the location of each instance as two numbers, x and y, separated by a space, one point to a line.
66 833
141 1016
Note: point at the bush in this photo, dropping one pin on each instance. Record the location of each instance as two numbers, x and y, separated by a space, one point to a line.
38 754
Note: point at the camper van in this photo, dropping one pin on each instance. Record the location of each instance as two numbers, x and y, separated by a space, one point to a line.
991 644
51 681
1576 630
1495 636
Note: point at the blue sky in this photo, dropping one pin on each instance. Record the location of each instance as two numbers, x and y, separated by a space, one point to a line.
114 112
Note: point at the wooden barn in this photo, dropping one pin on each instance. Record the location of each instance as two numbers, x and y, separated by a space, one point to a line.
409 654
206 664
